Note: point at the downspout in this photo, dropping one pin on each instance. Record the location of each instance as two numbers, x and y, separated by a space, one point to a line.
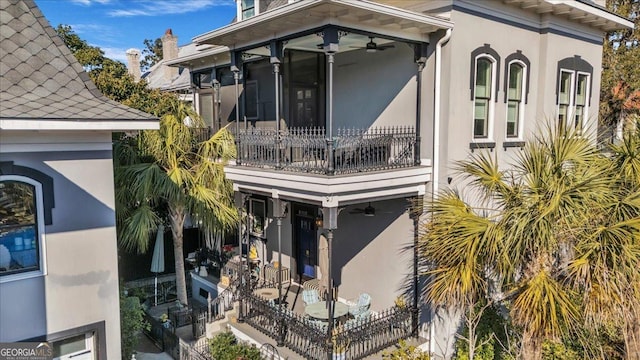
435 172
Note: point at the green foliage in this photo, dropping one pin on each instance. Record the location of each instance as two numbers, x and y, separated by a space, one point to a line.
621 56
406 352
492 337
225 346
131 323
558 351
557 232
151 54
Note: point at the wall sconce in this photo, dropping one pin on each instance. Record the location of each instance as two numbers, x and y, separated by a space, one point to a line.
319 222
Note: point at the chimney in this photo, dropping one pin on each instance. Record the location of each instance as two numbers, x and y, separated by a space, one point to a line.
133 64
169 52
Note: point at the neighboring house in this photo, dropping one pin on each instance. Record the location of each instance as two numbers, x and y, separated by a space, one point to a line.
58 255
352 110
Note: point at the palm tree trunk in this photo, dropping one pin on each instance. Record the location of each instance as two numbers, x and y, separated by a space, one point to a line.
177 215
531 346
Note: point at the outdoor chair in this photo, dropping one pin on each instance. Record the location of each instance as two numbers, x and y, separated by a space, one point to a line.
310 296
363 304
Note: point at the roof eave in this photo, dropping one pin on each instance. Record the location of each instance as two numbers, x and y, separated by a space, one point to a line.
213 37
78 124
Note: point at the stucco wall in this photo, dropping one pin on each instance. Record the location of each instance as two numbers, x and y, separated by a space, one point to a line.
81 282
376 89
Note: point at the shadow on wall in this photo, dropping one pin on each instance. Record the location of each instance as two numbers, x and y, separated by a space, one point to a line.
356 231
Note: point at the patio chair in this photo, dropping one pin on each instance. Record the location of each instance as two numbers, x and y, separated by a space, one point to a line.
363 304
310 296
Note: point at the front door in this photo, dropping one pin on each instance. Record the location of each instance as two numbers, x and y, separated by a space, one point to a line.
307 246
304 112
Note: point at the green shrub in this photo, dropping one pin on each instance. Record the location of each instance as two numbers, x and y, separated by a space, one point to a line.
131 323
225 346
406 352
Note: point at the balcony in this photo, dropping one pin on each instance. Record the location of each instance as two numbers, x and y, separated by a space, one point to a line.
308 150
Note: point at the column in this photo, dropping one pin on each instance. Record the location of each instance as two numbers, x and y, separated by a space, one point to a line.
275 59
330 223
279 212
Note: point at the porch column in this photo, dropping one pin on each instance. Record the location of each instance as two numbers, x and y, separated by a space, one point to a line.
276 54
420 56
235 63
330 222
415 216
279 212
331 40
240 203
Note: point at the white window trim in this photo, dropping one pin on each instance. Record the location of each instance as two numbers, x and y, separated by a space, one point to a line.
522 100
40 224
256 9
587 95
492 99
572 101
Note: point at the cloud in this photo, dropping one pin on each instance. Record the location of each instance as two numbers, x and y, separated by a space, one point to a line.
104 32
165 7
90 2
115 53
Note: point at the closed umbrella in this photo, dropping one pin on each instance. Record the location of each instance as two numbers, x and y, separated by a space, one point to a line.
157 262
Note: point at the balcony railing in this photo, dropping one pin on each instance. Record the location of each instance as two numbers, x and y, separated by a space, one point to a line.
309 150
307 338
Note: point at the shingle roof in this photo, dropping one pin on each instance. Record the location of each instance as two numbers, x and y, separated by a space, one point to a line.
40 79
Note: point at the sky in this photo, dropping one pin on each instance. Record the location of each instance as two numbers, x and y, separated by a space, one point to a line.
118 25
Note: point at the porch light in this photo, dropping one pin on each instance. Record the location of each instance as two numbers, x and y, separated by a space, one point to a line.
319 221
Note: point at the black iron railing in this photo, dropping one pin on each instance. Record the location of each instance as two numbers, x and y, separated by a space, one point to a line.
312 340
309 150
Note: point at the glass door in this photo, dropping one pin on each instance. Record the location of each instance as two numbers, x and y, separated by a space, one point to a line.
307 246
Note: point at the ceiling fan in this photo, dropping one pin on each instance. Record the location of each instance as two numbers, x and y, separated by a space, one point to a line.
373 47
367 211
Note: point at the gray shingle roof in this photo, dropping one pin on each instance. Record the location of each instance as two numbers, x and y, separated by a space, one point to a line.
39 76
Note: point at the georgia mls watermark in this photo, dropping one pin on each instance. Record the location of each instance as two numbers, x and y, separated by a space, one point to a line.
26 351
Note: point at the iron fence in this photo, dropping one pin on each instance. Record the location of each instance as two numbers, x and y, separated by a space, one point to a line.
311 339
309 150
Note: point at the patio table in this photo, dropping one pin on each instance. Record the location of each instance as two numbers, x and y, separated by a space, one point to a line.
267 293
320 311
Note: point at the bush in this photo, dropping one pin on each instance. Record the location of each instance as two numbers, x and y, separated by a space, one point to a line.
406 352
225 346
131 323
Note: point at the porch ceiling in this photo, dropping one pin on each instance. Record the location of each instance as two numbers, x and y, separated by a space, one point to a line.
331 191
305 15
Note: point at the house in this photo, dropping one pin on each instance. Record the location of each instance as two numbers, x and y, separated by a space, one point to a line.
58 258
348 112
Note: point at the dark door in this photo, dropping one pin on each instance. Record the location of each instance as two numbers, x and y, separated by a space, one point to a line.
305 107
307 246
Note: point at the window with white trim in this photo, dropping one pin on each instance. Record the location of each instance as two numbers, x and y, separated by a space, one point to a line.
247 8
515 98
21 226
574 91
483 94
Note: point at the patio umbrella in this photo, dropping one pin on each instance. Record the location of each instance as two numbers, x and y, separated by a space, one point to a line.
323 264
157 261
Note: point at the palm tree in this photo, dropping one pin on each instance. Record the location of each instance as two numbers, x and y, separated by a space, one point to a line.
168 174
525 230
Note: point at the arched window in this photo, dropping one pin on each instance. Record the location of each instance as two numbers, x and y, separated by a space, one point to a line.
483 96
21 225
515 99
516 92
574 91
484 79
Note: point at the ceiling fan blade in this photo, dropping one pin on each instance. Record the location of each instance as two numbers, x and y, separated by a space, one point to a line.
383 47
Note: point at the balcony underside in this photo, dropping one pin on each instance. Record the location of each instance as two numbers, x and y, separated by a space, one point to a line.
330 191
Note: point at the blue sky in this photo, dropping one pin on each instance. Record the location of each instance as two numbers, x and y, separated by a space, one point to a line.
118 25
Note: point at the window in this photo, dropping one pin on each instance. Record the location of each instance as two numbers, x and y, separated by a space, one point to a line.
515 99
258 217
565 92
21 214
75 347
248 8
484 77
573 91
483 91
